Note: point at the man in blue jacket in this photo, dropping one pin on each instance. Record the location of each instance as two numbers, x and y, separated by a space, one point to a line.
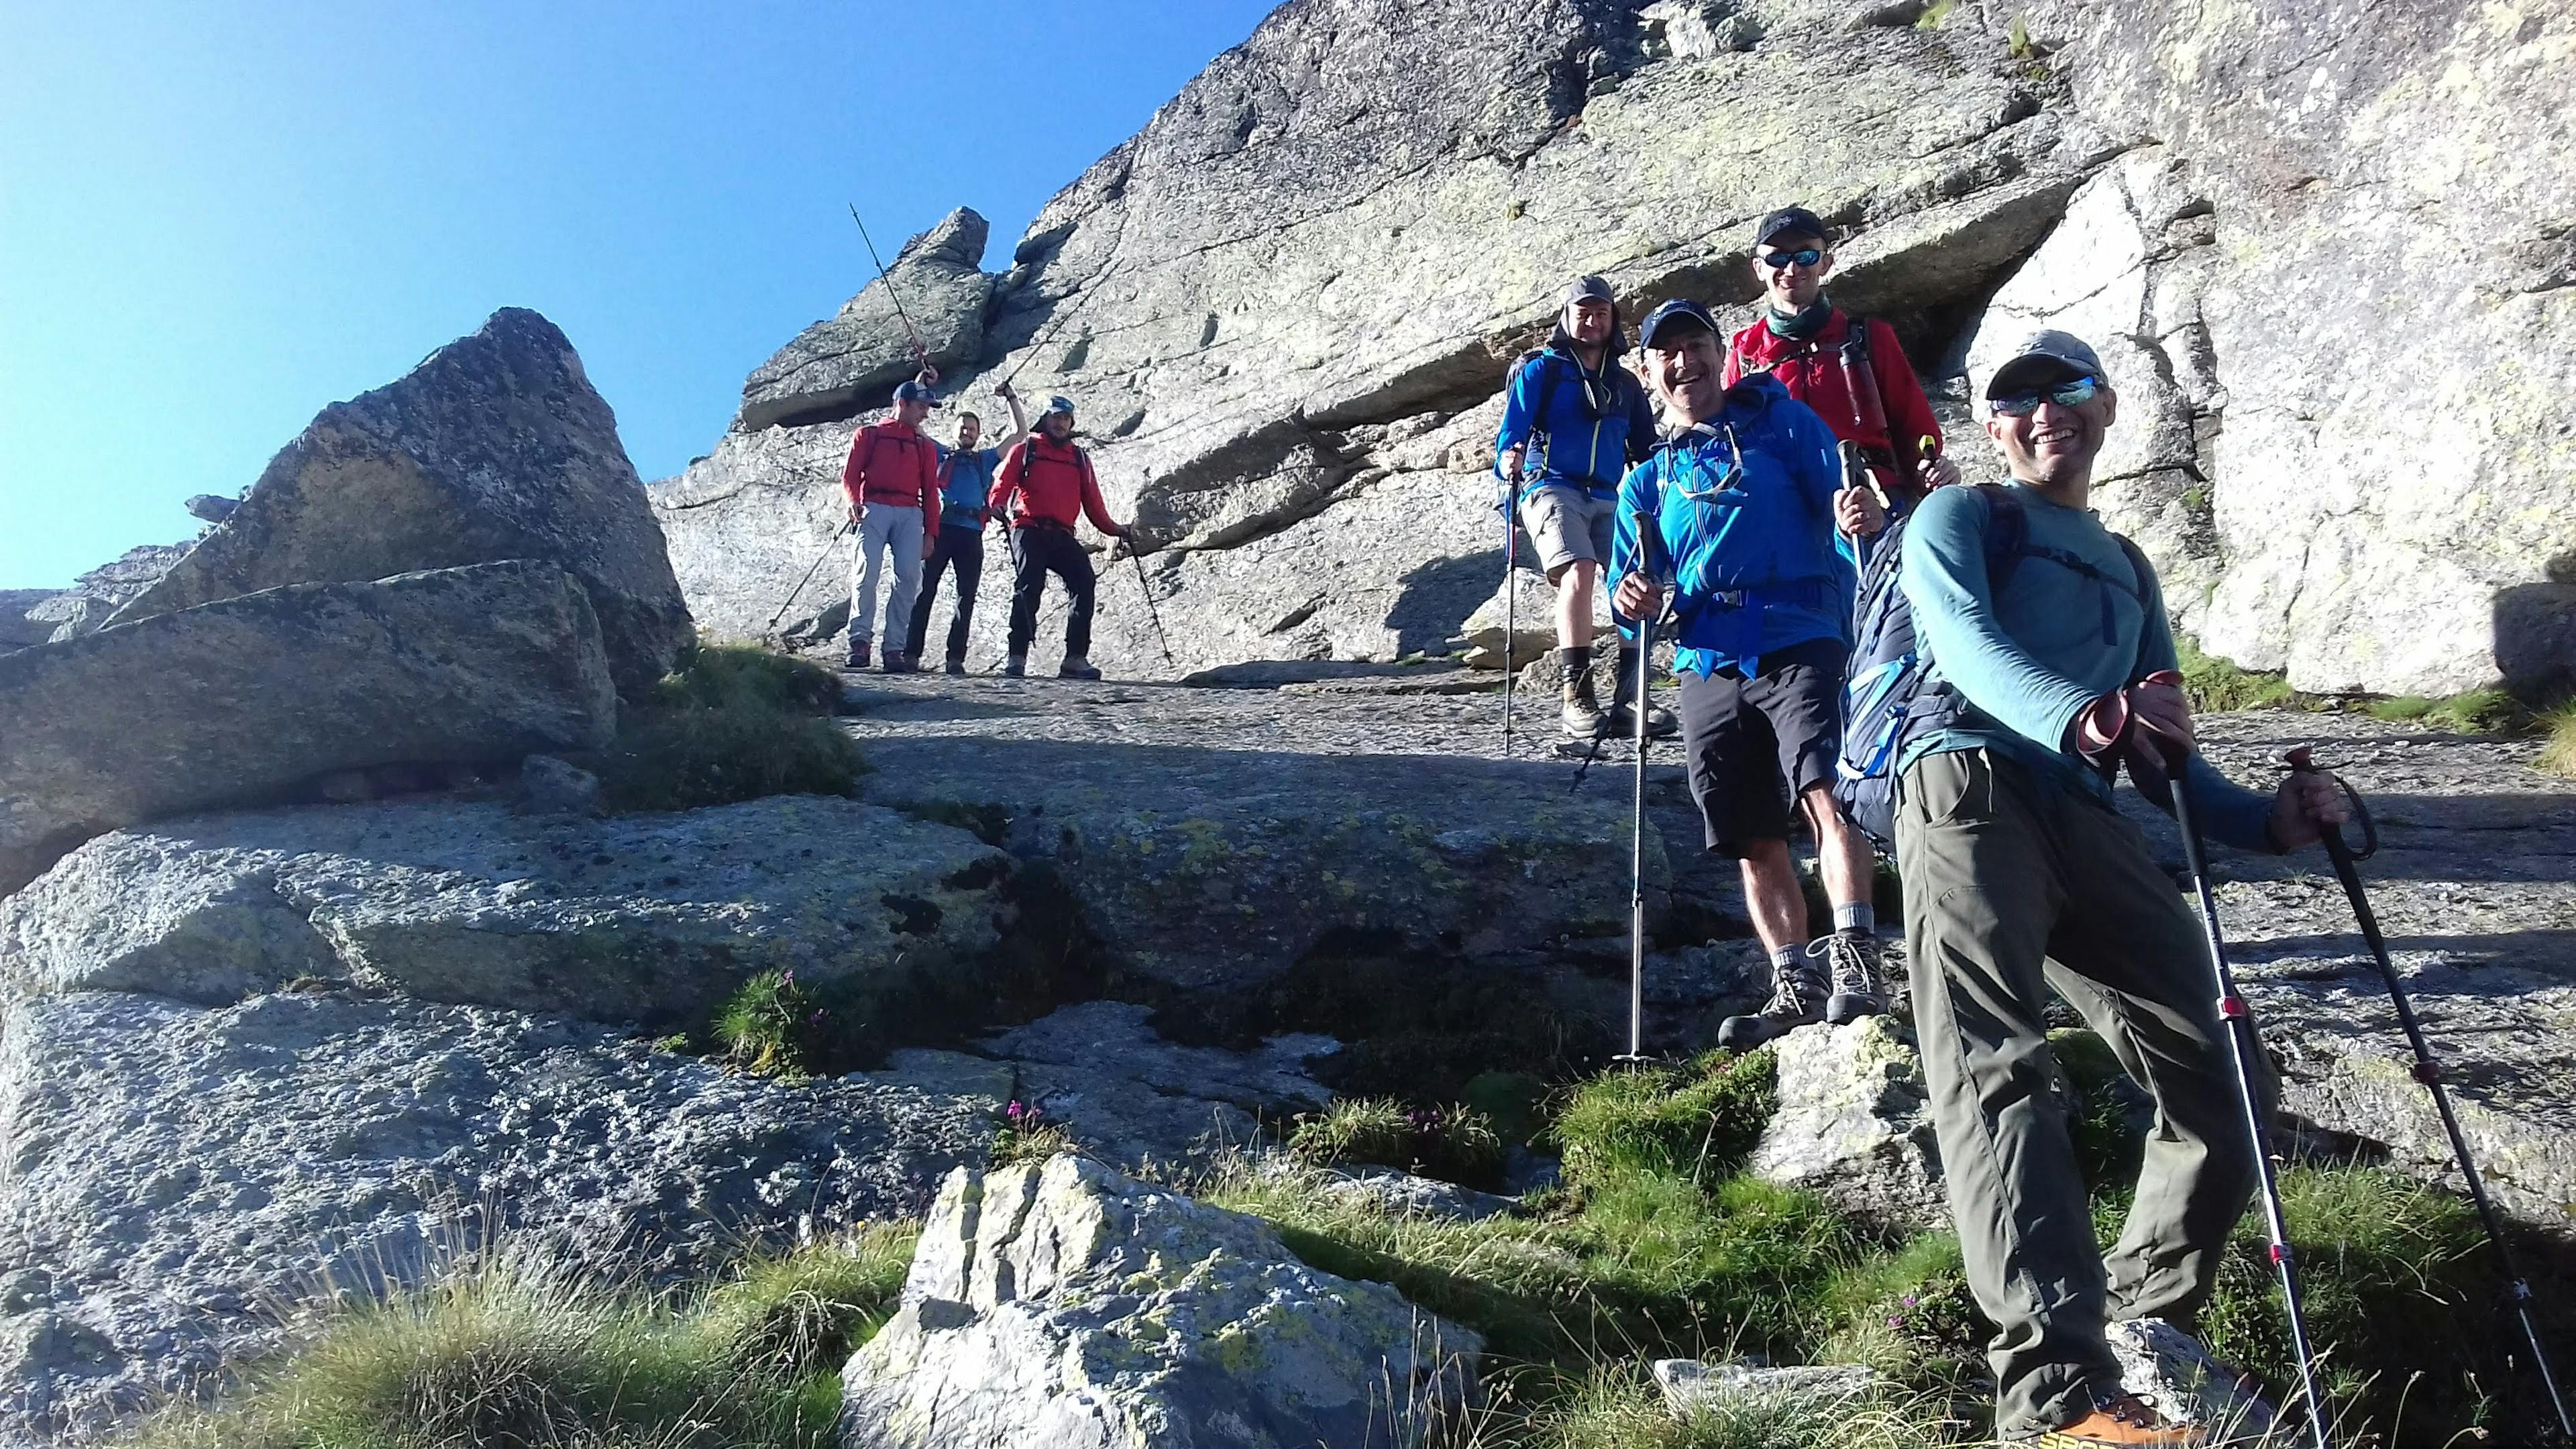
1748 506
965 482
2020 876
1588 419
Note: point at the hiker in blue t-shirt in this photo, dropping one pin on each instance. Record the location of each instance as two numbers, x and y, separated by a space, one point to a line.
1588 419
965 483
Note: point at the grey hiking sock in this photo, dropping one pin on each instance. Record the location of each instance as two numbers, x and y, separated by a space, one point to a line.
1859 916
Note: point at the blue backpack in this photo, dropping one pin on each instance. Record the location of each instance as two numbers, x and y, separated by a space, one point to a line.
1889 699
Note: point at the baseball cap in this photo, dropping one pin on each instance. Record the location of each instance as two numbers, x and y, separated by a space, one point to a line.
1587 289
1059 404
1787 220
912 391
2043 357
1666 317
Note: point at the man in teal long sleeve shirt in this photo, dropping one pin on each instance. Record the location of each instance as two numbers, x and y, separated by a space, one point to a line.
2019 875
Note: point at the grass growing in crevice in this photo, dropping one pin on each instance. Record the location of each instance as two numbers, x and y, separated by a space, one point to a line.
1696 1123
731 724
1454 1143
2558 729
1619 1406
522 1350
2217 685
2478 712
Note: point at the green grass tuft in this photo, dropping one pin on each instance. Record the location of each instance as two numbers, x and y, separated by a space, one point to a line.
2558 724
1452 1143
2217 685
1935 14
732 724
1618 1406
2478 712
1699 1124
773 1027
519 1350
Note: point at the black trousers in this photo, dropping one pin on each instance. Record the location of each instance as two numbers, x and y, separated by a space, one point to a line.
960 550
1035 552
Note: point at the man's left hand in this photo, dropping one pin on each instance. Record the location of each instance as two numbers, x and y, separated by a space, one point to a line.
2305 806
1937 471
1856 512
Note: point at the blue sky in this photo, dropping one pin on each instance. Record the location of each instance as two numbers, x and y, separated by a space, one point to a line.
216 218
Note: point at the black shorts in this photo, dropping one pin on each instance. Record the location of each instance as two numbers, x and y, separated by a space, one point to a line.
1756 745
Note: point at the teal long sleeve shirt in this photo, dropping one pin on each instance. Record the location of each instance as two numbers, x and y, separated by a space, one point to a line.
2064 630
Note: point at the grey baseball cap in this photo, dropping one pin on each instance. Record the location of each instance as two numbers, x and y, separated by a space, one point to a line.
1587 289
2044 357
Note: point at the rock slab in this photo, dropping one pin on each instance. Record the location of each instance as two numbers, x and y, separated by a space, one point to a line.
239 701
1069 1305
181 1177
494 447
1853 1126
652 919
861 352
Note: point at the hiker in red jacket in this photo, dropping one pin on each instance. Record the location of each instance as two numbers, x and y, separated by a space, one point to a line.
892 478
1053 481
1850 371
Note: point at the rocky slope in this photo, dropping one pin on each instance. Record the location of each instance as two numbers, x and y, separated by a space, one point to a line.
1319 254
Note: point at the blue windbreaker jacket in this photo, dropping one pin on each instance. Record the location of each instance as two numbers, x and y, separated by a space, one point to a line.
1586 451
1756 554
966 481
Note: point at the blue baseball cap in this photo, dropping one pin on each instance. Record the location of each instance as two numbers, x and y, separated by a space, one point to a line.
1670 316
1059 404
913 391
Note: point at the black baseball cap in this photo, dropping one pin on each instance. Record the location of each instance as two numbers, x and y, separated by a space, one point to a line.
1667 317
1790 220
2044 357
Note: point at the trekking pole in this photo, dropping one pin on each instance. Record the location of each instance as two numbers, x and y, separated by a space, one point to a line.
1511 606
2429 1071
920 353
2245 1047
1055 325
1147 590
1650 558
836 537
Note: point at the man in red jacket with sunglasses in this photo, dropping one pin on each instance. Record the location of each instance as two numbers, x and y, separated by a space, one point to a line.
1050 475
1850 371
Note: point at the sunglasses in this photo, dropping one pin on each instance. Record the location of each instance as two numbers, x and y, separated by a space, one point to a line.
2072 393
1802 257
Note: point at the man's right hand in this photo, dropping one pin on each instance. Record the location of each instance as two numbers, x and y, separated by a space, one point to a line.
1509 465
858 514
1638 599
2159 704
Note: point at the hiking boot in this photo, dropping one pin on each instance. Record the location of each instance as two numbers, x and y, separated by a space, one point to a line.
1851 964
897 662
956 664
1582 714
1660 721
1076 667
1015 666
858 654
1797 999
2122 1421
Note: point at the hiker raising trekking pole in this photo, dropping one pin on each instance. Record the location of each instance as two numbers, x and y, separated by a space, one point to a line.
1587 419
1849 369
892 477
1052 479
1747 498
2052 666
965 485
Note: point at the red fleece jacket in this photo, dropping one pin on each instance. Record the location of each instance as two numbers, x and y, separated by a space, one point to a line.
1812 370
1054 482
892 463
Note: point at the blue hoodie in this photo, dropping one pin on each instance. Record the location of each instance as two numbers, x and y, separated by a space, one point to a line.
1582 450
1760 565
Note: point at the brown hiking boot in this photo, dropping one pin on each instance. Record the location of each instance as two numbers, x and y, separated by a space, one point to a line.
2122 1421
1581 713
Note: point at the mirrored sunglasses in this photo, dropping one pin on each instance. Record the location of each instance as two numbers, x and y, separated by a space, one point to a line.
2075 392
1802 257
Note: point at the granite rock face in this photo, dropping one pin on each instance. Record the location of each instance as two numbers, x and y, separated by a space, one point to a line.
242 701
85 607
649 919
1065 1304
181 1173
1853 1125
855 358
494 447
17 631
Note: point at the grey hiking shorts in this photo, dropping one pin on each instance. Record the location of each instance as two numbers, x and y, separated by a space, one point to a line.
1568 524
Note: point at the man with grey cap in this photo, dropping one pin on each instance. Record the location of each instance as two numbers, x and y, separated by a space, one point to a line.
1589 420
1050 476
892 478
2021 876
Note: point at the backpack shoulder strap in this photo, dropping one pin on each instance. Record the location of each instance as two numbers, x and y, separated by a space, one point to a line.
2007 536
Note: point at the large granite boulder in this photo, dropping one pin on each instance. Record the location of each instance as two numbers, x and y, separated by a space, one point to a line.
855 357
495 447
637 918
243 701
1065 1304
182 1178
2384 459
95 596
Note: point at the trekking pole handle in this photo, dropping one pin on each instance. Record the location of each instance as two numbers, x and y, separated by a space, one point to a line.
2302 761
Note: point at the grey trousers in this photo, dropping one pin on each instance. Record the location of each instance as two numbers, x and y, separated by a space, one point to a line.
2012 887
887 529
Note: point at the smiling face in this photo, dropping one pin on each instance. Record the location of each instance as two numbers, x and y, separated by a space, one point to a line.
2054 443
970 431
1057 426
1683 365
1795 286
